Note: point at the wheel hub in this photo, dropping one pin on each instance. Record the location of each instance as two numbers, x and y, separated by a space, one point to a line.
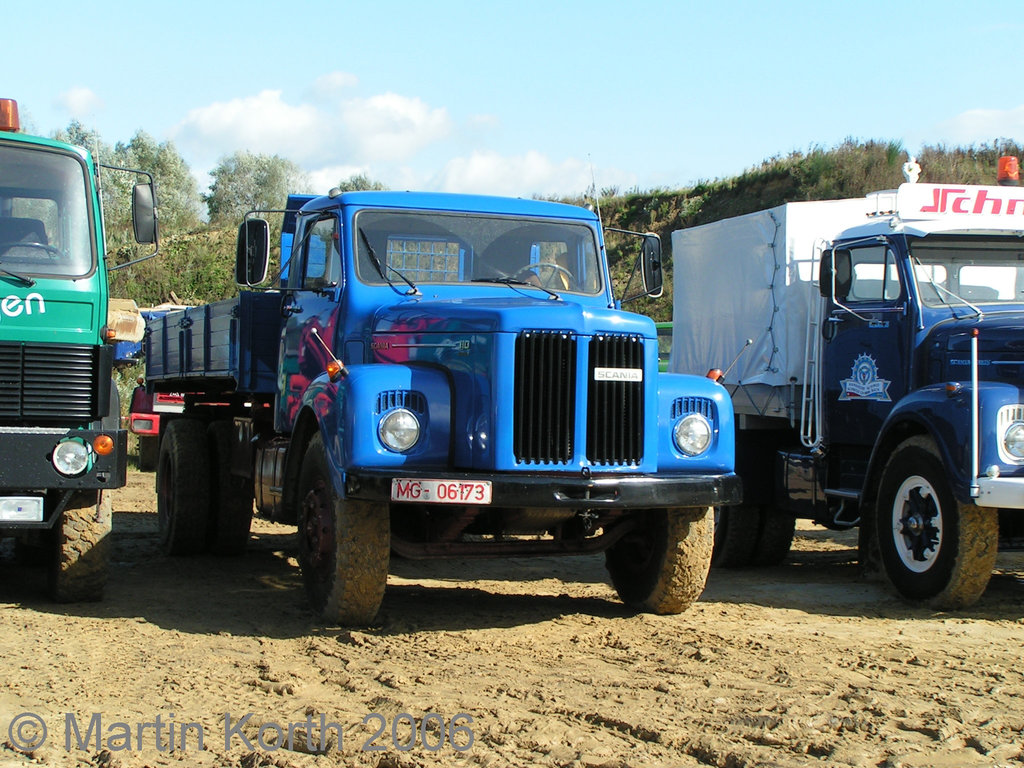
917 524
318 527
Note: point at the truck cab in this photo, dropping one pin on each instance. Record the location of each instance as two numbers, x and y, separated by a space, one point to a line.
62 449
921 383
884 390
449 375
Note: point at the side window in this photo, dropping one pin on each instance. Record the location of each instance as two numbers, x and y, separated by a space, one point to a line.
875 276
322 265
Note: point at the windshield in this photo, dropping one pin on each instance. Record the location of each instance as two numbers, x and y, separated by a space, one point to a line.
969 269
423 247
44 219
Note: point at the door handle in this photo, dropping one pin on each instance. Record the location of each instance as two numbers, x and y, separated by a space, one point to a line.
287 310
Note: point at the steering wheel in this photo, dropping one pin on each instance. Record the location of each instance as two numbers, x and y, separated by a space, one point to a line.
50 250
565 276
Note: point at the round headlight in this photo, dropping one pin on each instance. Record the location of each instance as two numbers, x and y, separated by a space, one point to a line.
1013 440
692 434
399 430
71 457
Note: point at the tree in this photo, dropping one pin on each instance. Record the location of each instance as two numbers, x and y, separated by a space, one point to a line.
245 181
360 182
178 195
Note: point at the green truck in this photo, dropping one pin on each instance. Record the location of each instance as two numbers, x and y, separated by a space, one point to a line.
62 448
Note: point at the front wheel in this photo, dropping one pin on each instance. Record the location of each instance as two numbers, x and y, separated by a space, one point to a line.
662 565
81 553
933 548
344 545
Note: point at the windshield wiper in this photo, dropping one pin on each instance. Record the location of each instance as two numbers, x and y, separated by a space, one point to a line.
28 282
513 282
380 269
939 290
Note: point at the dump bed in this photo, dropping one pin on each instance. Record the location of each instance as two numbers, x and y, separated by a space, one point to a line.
752 277
229 345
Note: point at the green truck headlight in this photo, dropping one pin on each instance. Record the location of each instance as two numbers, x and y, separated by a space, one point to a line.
399 430
72 456
692 434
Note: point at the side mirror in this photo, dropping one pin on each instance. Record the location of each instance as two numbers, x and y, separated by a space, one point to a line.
650 265
144 213
252 255
835 276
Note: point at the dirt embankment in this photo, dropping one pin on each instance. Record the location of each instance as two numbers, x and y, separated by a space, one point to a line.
502 663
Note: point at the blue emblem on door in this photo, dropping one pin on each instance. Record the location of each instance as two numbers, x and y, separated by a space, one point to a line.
864 383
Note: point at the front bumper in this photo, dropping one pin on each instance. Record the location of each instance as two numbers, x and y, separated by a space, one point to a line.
567 491
25 463
1003 492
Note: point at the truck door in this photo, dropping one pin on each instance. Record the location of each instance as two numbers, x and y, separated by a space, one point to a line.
865 353
309 305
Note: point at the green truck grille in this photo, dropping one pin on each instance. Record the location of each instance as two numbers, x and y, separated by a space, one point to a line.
45 384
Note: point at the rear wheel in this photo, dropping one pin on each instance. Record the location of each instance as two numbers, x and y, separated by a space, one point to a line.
81 548
183 488
662 565
774 538
344 545
231 495
736 530
933 548
148 446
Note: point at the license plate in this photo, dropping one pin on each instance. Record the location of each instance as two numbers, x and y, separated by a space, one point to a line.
441 491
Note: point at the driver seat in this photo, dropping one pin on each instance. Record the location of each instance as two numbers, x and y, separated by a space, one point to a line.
17 230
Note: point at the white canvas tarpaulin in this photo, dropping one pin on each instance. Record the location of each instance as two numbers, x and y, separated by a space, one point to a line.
750 277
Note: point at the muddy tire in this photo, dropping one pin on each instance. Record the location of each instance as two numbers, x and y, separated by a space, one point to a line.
231 496
662 565
148 452
774 537
344 546
736 530
183 488
81 548
932 547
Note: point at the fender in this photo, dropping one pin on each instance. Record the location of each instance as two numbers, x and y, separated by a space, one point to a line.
681 394
947 419
348 414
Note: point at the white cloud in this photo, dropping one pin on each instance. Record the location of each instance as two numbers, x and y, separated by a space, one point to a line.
79 102
488 172
263 123
393 127
322 179
979 126
398 140
326 86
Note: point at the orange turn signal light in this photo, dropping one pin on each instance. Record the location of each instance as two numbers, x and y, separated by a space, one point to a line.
334 369
103 445
715 374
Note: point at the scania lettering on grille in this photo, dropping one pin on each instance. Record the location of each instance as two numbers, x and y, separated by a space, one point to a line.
618 374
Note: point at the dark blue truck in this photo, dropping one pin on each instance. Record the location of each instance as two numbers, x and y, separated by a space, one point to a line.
439 376
881 360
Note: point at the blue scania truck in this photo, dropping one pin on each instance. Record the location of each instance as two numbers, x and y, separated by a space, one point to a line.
878 383
439 376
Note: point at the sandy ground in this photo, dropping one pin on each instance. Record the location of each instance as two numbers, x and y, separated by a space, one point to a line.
502 663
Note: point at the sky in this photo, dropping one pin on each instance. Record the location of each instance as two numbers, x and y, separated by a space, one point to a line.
518 98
